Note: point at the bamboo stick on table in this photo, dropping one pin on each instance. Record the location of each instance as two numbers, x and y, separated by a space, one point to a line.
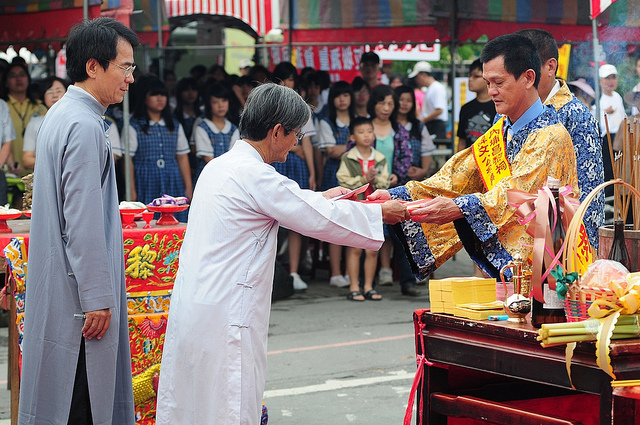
616 191
635 136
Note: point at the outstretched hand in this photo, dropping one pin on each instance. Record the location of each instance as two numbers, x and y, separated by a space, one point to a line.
439 210
380 195
335 191
394 212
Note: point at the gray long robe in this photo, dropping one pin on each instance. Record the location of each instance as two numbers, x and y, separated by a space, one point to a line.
76 264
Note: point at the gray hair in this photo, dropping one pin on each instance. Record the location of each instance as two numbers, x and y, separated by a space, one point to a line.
270 104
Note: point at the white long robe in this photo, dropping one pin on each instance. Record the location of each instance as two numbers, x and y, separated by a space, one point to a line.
215 354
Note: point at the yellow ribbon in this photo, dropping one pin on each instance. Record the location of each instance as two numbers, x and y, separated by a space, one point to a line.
608 312
628 299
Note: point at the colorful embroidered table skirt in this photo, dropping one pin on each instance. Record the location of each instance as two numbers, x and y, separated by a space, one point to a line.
151 263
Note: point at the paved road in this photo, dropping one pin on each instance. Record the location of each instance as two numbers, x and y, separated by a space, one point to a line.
331 361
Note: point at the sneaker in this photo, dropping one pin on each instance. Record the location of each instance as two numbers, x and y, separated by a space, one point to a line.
385 277
339 281
298 283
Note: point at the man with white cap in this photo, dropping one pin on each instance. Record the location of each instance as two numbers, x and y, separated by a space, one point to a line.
611 104
435 109
244 66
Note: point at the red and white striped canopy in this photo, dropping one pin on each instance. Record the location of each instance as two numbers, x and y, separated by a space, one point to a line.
256 13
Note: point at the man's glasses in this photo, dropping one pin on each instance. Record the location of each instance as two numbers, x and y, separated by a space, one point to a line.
300 136
128 71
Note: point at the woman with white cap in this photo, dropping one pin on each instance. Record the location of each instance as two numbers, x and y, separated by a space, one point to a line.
583 91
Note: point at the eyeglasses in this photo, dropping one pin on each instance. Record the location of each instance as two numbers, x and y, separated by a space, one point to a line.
19 75
300 135
128 71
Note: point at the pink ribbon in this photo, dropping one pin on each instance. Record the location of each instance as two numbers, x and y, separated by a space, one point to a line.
533 212
421 360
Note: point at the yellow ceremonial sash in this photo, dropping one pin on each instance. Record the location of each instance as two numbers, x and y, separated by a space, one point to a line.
490 154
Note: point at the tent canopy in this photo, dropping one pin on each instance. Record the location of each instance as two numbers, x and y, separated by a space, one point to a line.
429 20
40 22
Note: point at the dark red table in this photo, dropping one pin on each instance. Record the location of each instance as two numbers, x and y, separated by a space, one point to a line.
506 360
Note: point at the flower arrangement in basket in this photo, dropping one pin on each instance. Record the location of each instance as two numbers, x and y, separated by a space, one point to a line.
594 286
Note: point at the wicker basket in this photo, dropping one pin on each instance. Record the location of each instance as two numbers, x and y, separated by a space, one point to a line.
577 302
579 299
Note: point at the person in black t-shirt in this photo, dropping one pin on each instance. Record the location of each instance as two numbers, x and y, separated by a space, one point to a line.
477 115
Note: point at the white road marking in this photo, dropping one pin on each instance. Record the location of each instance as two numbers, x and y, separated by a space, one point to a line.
338 384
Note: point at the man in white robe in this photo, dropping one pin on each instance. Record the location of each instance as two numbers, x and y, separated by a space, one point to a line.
215 353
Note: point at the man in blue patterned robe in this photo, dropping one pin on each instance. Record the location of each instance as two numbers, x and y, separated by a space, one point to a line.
579 122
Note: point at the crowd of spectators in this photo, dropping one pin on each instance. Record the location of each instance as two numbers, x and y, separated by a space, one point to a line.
180 124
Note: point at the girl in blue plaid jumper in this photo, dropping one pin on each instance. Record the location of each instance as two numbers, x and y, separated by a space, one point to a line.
298 167
215 134
159 147
334 134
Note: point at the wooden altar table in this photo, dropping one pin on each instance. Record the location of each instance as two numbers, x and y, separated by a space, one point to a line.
507 363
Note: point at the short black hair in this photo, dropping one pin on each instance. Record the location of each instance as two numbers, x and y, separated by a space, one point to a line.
358 83
218 90
47 83
518 52
476 64
95 39
543 40
338 88
198 71
357 122
284 71
370 57
32 95
378 94
151 85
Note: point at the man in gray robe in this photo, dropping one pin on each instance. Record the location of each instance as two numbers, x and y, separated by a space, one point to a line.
76 366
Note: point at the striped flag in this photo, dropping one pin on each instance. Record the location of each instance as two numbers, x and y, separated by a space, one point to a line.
256 13
599 6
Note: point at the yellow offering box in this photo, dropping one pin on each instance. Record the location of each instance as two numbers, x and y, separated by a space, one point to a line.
447 294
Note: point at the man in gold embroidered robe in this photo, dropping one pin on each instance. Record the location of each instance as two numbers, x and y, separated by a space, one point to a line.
465 203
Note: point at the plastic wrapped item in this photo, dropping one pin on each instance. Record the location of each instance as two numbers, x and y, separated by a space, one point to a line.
130 205
605 274
168 200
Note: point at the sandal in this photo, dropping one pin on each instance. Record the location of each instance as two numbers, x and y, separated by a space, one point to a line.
353 294
373 295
